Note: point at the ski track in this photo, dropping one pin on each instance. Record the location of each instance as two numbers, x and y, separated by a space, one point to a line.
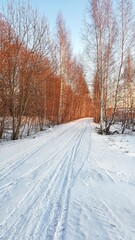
34 168
20 158
44 209
56 186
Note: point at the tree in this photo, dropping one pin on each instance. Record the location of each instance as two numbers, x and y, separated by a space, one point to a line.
128 101
29 61
64 59
100 38
108 39
40 80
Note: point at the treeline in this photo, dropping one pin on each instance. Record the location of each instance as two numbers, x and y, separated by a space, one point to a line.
41 82
110 45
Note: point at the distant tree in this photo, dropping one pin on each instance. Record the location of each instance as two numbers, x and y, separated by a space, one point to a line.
96 99
128 98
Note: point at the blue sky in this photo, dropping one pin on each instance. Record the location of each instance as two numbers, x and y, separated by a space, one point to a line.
72 10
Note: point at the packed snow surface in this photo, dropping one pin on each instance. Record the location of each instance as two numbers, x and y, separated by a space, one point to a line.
68 183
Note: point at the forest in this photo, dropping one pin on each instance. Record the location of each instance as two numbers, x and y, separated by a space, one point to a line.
43 83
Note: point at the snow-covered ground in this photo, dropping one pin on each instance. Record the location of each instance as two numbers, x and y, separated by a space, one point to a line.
68 183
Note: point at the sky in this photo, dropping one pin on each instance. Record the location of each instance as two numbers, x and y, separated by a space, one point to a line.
72 11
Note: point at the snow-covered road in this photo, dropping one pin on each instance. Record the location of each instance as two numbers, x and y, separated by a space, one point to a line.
66 183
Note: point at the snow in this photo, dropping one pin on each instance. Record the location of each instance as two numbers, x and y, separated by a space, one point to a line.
68 183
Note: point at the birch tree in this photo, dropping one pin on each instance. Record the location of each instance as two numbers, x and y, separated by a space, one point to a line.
108 40
64 57
100 38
